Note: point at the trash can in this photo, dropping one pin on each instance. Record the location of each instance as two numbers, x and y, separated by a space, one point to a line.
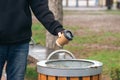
68 69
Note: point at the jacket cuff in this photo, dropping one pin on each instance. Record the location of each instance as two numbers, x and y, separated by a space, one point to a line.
59 30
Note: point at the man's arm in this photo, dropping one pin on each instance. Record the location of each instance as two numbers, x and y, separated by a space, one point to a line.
45 16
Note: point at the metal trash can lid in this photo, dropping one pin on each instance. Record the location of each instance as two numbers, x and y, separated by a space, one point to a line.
74 67
69 64
69 67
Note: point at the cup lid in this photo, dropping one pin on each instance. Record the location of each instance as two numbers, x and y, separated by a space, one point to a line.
68 34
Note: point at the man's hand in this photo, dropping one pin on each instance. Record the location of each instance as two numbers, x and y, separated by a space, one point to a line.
59 34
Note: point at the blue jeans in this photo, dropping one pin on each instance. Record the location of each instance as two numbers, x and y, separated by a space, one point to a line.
16 57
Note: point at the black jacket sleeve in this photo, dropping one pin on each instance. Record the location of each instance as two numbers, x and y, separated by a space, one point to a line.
45 16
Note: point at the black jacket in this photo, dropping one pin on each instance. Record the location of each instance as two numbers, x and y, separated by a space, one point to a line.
16 21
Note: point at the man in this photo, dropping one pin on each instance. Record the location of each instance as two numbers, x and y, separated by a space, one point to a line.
109 4
96 2
118 4
15 32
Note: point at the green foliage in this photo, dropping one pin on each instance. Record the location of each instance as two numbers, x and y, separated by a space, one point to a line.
110 59
114 12
115 73
89 37
39 33
31 73
105 38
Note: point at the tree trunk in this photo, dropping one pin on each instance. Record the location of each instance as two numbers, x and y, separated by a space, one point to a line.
56 7
66 3
87 3
77 3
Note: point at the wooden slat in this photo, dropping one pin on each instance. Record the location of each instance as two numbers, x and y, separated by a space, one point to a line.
86 78
100 77
51 77
62 78
74 78
43 77
38 76
96 77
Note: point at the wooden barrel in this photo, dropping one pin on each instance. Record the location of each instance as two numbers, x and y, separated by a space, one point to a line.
69 69
48 77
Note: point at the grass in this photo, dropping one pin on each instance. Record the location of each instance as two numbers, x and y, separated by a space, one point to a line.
105 38
39 33
31 73
82 46
110 58
112 12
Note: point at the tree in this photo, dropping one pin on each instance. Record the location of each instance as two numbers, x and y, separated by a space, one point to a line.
56 7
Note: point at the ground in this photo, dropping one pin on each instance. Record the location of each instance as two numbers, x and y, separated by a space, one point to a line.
94 21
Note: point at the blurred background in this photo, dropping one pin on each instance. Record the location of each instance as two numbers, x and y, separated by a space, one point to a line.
96 28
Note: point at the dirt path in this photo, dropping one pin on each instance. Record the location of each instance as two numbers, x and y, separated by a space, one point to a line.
94 21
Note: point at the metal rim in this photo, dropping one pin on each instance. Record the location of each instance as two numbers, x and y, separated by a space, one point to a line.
87 71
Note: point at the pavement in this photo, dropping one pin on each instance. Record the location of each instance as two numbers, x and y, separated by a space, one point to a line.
85 8
38 52
95 8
